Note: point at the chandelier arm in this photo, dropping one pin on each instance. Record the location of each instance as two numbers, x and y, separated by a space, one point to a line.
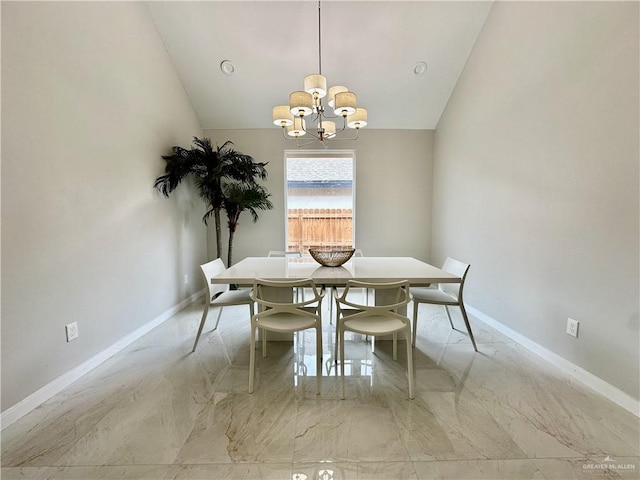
310 132
336 138
304 127
309 142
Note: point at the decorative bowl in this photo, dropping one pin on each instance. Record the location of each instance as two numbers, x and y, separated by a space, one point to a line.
331 258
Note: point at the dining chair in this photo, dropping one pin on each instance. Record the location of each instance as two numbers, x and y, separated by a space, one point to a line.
357 253
219 295
446 294
282 316
374 320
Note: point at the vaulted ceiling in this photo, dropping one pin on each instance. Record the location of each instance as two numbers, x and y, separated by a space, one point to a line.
371 47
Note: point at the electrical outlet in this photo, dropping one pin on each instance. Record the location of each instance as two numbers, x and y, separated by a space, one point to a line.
572 327
186 279
72 331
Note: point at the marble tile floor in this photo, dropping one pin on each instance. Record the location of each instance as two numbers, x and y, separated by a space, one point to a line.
157 411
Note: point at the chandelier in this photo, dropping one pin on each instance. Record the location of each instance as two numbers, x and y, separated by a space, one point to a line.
340 103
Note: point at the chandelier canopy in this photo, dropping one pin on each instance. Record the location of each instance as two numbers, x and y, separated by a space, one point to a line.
340 103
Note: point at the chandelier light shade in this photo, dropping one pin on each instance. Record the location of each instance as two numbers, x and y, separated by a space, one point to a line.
341 101
345 103
297 128
316 85
282 116
358 119
332 93
300 104
329 128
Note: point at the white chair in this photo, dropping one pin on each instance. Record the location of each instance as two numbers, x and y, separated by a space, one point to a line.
374 320
280 316
446 294
219 295
365 292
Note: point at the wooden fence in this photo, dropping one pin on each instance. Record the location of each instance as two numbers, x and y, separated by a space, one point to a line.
319 228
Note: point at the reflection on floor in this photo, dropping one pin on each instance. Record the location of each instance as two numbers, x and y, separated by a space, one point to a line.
157 411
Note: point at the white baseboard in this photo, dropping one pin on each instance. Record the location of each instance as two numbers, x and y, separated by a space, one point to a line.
40 396
580 374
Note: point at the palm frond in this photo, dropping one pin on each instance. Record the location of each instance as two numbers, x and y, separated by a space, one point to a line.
239 197
178 167
239 166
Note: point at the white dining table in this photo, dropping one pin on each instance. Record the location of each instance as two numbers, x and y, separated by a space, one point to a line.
365 269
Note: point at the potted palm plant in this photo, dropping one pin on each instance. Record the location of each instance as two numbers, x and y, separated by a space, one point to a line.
212 168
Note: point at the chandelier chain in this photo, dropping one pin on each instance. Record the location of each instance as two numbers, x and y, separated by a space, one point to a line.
319 40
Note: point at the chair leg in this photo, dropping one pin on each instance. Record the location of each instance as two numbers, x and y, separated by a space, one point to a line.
446 308
410 365
337 343
264 342
318 358
342 364
416 304
252 357
218 319
395 346
204 317
466 322
331 300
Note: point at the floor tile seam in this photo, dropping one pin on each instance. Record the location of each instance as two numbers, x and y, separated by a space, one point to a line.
148 465
517 459
478 343
316 462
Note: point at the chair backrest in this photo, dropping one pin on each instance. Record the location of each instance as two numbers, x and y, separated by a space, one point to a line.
275 304
281 253
458 269
397 295
212 269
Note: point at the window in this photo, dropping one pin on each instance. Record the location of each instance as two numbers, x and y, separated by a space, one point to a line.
320 199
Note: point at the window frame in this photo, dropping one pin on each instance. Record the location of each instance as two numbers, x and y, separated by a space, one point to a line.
311 153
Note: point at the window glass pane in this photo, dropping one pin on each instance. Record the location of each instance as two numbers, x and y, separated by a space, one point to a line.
320 200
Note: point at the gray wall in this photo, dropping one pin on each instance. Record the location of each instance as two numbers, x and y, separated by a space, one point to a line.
393 191
536 179
86 116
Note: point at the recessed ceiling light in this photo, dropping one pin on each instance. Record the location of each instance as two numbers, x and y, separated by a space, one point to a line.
420 68
227 67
